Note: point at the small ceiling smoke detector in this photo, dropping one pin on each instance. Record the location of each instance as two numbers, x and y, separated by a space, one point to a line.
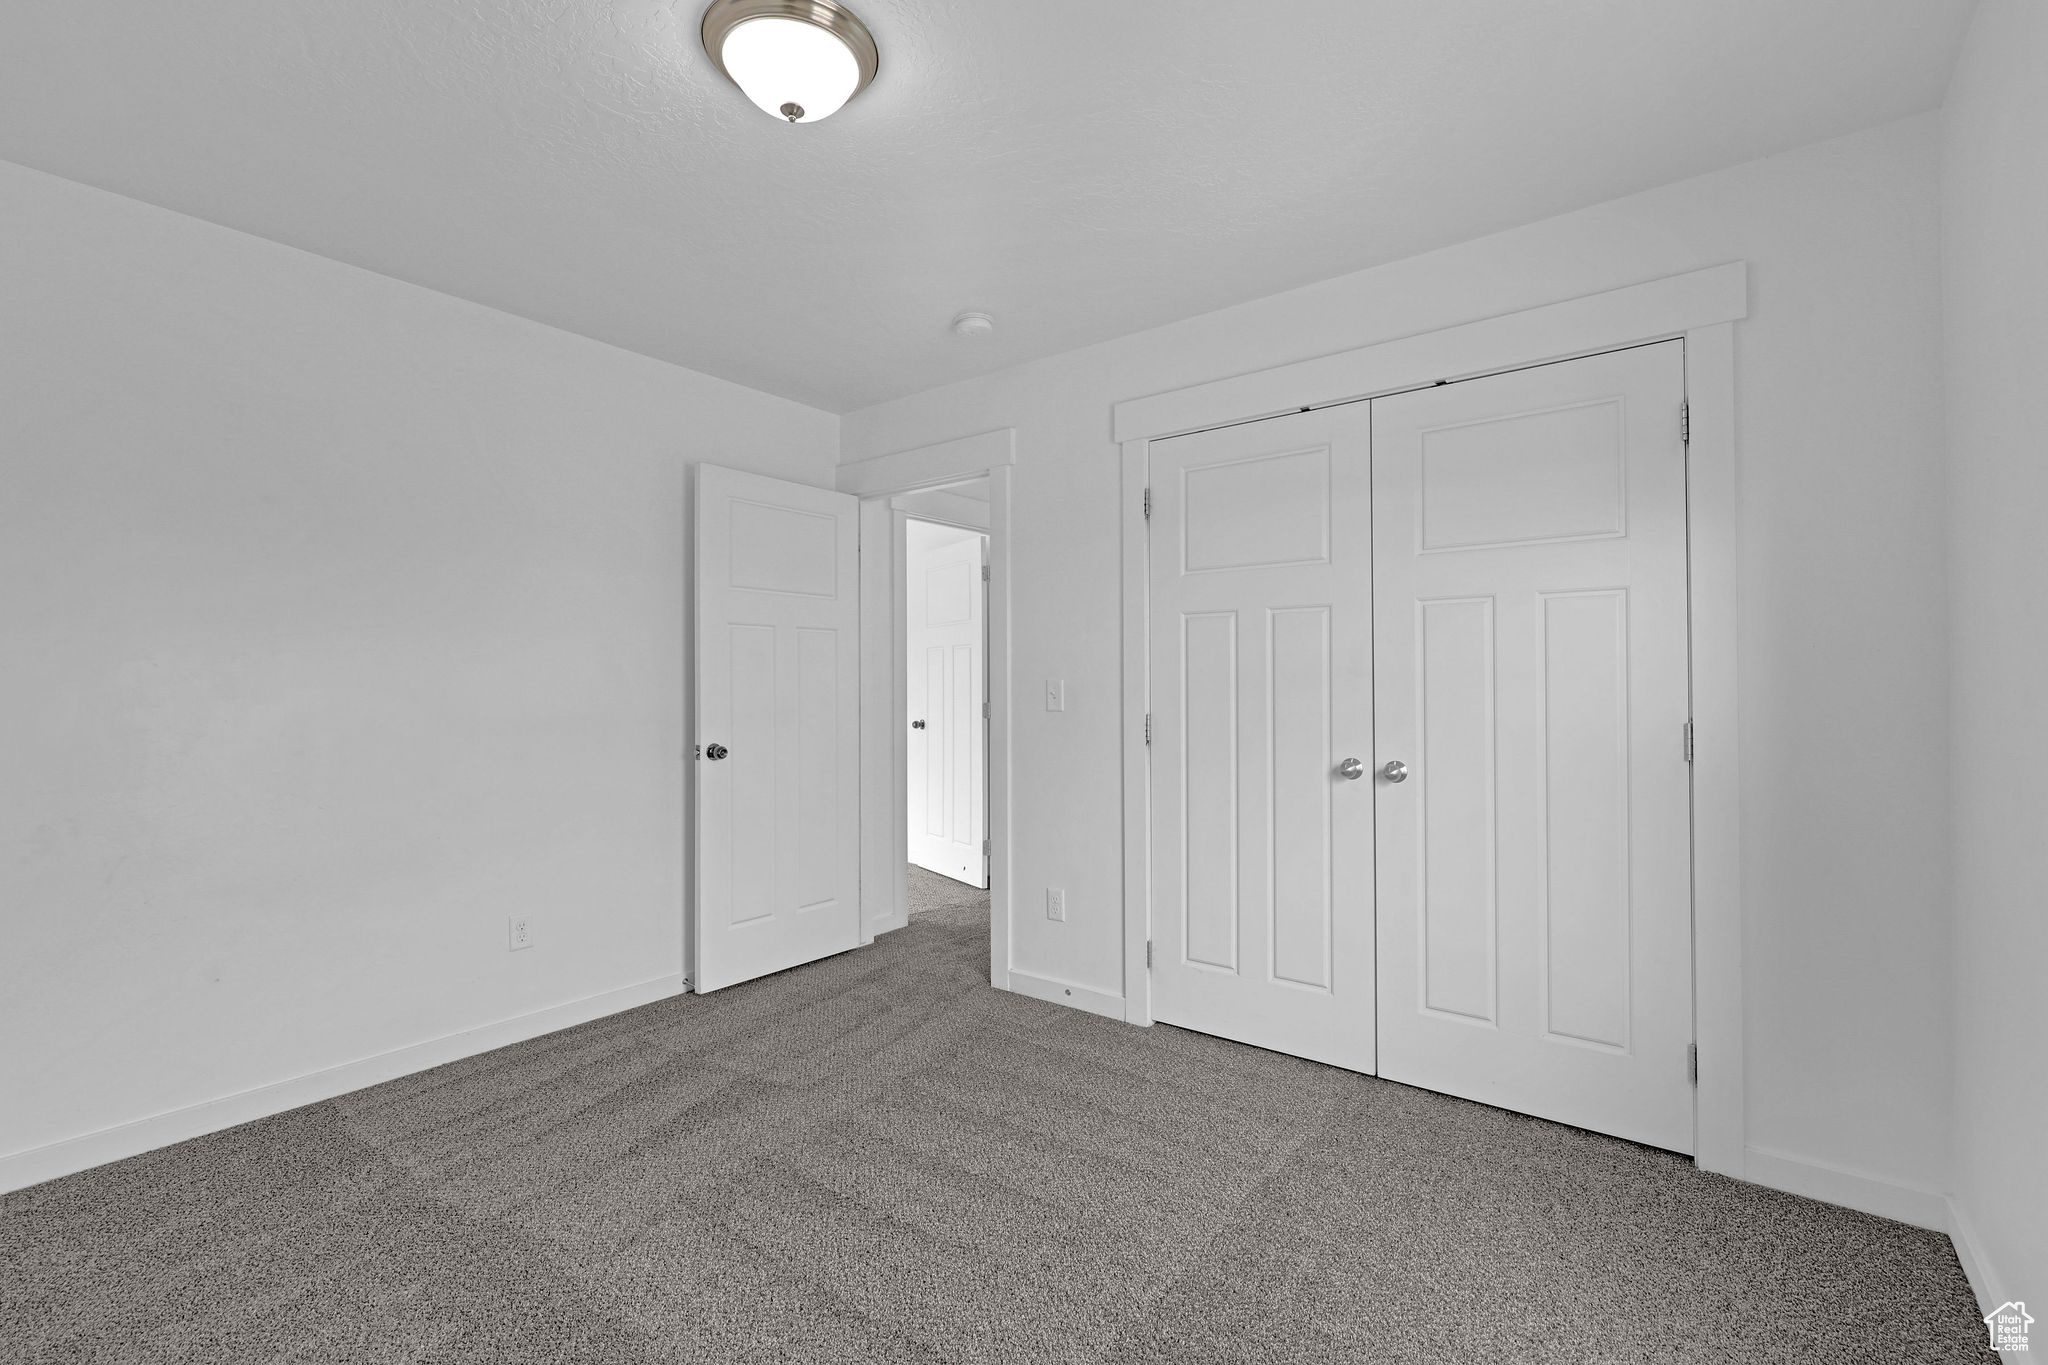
799 60
973 325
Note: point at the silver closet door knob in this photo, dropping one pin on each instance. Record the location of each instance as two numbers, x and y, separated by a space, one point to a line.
1395 771
1351 768
714 752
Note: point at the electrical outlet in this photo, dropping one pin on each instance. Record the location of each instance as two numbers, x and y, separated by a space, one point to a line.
1055 903
519 933
1055 694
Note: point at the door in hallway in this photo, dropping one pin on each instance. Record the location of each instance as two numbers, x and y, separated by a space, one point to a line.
1262 841
1530 672
945 686
778 758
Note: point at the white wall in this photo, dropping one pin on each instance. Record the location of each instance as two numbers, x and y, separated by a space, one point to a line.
1845 827
1995 225
923 538
342 620
953 508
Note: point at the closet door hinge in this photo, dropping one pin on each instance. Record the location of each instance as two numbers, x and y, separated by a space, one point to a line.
1685 423
1148 954
984 848
984 710
1688 741
1692 1062
984 573
1148 504
1148 729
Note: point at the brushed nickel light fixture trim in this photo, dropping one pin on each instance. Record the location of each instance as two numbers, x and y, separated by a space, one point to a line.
792 91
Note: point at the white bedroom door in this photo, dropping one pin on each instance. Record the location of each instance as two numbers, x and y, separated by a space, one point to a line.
777 726
1531 674
1262 836
948 744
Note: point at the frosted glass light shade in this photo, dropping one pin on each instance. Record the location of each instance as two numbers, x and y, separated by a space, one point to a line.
787 64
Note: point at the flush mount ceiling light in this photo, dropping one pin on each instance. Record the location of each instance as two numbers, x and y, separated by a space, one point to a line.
797 59
973 326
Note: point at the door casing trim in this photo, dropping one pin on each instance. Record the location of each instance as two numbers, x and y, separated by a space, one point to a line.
1700 307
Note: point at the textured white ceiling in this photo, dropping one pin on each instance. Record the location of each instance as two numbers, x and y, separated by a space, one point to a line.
1079 168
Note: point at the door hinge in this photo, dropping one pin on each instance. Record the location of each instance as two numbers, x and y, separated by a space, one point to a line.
1688 741
1148 954
1148 504
1148 729
984 848
1685 423
1692 1062
984 573
984 710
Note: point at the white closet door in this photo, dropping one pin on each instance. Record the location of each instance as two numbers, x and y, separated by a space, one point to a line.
778 697
1262 853
1530 670
945 685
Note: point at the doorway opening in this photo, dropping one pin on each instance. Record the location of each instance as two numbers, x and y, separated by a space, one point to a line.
945 661
956 494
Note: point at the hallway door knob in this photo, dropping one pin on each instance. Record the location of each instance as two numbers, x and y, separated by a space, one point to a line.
1395 771
714 752
1351 768
917 725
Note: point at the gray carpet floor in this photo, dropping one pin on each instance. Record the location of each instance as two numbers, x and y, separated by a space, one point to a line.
879 1159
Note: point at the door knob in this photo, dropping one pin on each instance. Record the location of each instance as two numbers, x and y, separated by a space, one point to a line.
714 752
917 725
1395 771
1351 768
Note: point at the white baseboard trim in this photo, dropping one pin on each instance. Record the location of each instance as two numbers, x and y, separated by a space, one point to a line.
19 1170
1067 993
1851 1189
1985 1282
